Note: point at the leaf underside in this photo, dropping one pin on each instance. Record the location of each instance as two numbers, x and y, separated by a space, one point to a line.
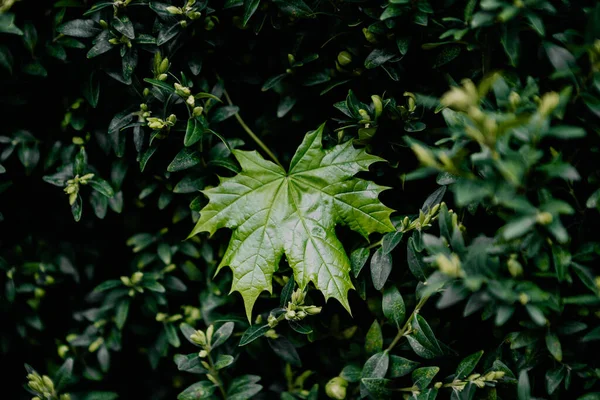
272 213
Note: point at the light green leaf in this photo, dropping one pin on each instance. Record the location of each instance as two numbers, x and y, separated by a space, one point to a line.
272 212
467 365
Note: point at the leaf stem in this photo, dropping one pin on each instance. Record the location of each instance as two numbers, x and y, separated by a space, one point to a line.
405 329
252 134
215 374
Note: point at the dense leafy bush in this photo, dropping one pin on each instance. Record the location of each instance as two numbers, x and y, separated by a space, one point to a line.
433 235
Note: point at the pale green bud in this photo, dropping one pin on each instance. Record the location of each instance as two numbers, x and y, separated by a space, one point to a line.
425 156
371 38
364 115
290 315
298 296
198 337
197 111
449 266
62 350
377 105
164 66
137 277
195 15
160 317
190 101
336 388
174 10
548 103
162 77
344 58
544 218
172 119
72 198
514 267
126 281
272 321
209 333
313 310
202 353
271 334
95 345
114 41
48 383
65 396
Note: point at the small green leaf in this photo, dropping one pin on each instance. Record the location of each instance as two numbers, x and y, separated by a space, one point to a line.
250 7
523 386
415 264
253 333
422 377
199 390
244 387
377 387
285 350
400 366
381 267
223 361
376 366
83 28
193 132
185 159
63 375
121 313
101 186
374 339
378 57
222 334
554 377
359 257
553 345
390 241
393 306
294 8
467 365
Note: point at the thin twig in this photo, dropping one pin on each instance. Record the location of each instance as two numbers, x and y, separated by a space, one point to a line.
252 134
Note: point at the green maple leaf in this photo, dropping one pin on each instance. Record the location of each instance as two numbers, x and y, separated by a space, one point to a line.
272 213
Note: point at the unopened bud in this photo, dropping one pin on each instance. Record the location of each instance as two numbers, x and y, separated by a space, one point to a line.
313 310
336 388
544 218
162 77
290 315
344 58
548 103
190 101
164 66
425 156
514 267
377 105
114 41
95 345
202 353
271 334
174 10
198 337
197 111
371 38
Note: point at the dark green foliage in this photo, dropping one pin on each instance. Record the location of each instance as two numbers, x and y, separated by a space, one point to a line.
121 117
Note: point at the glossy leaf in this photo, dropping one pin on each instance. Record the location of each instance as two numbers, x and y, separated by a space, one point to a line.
273 212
